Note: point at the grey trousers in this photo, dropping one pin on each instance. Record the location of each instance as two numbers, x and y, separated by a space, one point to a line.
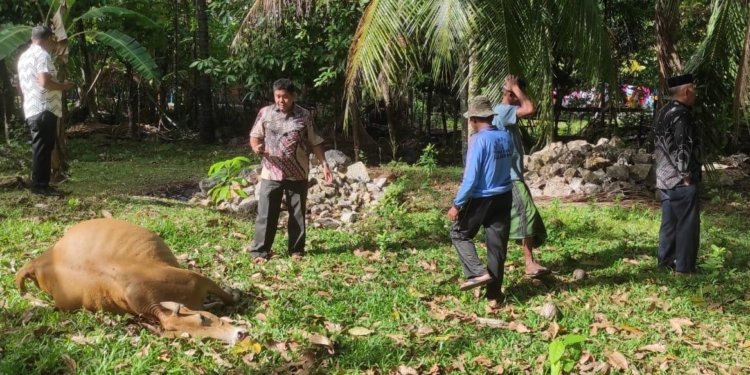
492 213
679 234
269 208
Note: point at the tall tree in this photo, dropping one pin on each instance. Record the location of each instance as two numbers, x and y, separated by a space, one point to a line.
667 20
205 102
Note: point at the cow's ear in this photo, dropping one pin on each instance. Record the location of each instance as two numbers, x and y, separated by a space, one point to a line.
172 306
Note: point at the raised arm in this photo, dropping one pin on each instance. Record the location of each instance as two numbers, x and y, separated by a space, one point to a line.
527 107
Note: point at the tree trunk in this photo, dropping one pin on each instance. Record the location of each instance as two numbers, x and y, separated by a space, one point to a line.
206 127
131 102
391 115
7 100
443 116
741 102
667 19
60 164
428 110
88 76
472 90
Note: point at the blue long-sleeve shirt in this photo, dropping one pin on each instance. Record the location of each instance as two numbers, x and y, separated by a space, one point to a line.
488 164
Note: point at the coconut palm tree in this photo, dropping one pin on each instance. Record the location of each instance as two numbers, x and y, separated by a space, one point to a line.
471 44
721 66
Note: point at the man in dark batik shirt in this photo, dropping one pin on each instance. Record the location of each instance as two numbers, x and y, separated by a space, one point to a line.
678 172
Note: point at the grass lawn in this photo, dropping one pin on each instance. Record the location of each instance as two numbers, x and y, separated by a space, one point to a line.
384 292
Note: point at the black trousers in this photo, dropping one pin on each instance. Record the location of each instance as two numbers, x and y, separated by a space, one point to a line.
43 135
679 234
269 208
492 213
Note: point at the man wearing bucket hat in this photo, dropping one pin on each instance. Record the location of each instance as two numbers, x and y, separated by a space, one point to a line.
678 171
483 200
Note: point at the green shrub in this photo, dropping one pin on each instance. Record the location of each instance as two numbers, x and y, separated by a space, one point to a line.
428 159
227 175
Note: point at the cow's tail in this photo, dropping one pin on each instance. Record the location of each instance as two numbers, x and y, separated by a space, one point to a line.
26 272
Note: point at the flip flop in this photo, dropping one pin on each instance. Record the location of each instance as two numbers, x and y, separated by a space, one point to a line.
539 273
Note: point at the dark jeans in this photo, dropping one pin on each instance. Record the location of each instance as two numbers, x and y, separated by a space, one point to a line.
43 134
269 208
679 235
492 213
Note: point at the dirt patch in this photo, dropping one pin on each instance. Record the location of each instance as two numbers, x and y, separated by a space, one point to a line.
181 191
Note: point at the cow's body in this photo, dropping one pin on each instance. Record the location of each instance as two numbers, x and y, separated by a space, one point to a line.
115 266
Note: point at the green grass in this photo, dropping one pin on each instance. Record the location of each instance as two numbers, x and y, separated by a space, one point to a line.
394 274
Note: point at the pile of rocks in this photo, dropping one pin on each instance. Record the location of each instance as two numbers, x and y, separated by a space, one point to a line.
581 168
330 206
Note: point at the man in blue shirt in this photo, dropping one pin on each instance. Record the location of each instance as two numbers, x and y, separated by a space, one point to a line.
526 223
483 200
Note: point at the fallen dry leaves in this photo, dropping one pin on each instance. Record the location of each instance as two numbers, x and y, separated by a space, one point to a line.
678 323
322 341
359 331
618 360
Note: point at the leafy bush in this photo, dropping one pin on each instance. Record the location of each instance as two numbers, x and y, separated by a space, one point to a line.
228 180
559 362
428 159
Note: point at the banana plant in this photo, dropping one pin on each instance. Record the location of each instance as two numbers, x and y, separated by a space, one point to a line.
126 48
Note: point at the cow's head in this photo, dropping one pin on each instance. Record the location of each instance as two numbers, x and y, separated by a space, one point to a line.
199 324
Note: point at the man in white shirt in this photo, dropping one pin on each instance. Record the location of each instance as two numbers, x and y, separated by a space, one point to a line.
42 104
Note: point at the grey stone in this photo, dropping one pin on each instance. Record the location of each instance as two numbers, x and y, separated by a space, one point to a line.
602 141
556 187
556 169
357 172
380 182
639 172
336 158
596 162
591 189
248 206
349 217
618 172
206 184
569 174
249 190
576 183
642 158
579 145
534 164
328 223
616 142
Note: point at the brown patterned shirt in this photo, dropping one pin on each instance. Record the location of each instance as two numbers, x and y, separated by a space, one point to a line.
288 139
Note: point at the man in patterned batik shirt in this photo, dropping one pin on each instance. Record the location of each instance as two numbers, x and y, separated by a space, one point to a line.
42 105
284 135
678 172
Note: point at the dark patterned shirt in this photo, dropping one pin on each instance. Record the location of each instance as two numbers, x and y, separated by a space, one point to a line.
677 146
287 139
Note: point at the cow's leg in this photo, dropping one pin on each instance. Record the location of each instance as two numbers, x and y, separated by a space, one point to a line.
211 287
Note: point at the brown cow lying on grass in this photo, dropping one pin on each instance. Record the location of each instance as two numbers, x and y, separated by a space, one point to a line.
115 266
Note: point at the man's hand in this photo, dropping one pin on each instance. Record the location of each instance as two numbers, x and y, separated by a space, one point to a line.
327 175
511 81
259 148
687 180
453 214
67 85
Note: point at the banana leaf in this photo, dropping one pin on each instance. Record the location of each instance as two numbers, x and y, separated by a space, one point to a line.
129 50
13 37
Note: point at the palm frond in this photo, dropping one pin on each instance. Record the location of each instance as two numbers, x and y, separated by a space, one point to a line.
130 51
13 37
379 47
112 11
715 65
272 10
447 25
